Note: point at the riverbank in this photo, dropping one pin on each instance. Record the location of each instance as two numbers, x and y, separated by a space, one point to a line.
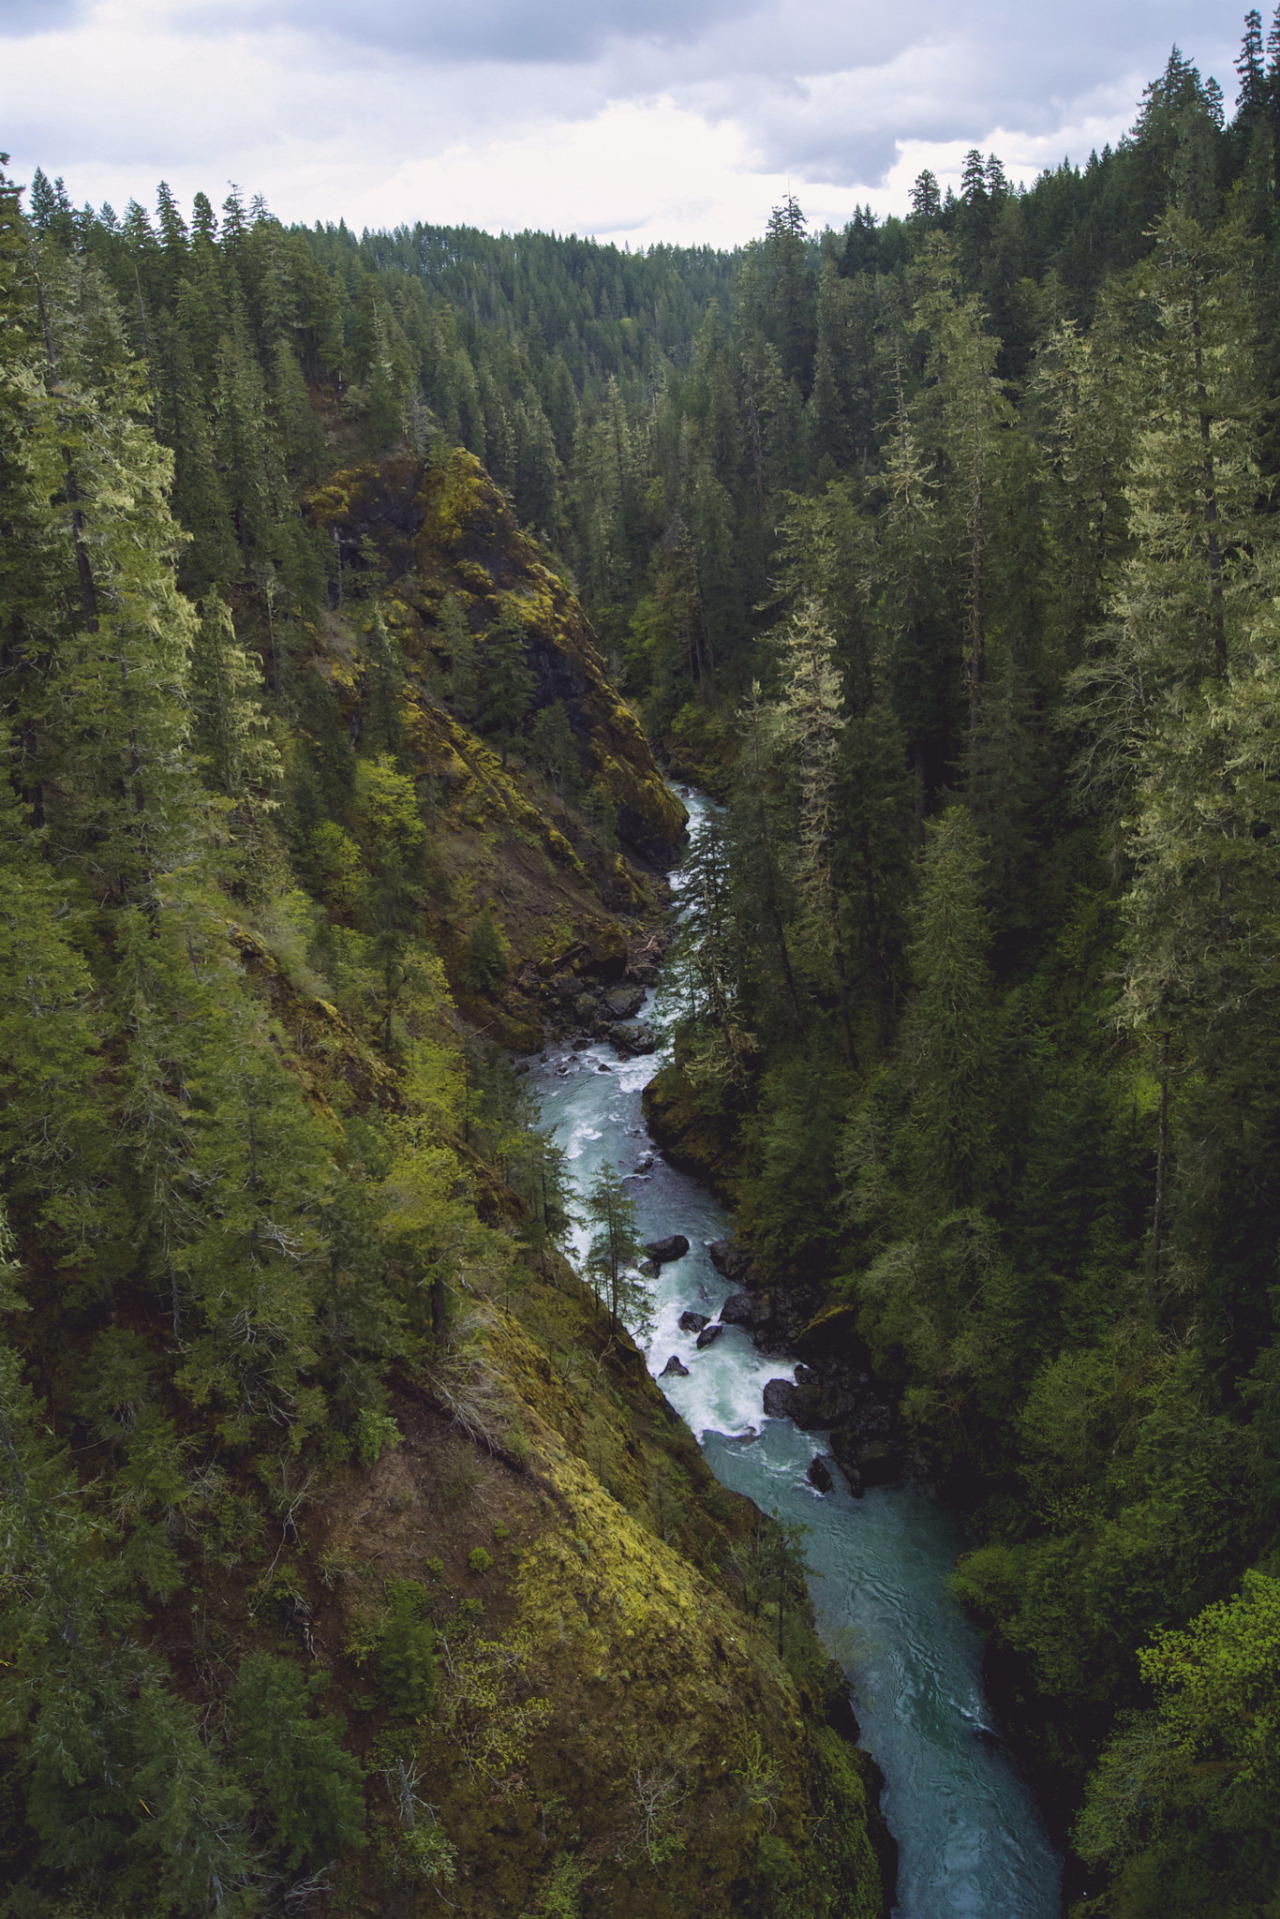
972 1841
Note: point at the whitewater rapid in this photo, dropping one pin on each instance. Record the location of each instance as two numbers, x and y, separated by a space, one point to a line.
972 1841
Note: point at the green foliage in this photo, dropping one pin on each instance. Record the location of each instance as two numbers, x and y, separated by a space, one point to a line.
1218 1683
479 1560
561 1896
555 750
957 530
614 1249
431 1854
376 1433
1182 1802
404 1660
488 960
293 1755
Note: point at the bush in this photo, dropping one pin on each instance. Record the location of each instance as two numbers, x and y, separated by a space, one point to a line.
488 955
406 1662
376 1433
313 1787
479 1560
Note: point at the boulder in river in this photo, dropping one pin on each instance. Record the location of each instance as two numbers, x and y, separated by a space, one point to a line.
674 1366
709 1335
782 1399
691 1322
866 1461
645 1163
729 1258
663 1251
602 1068
634 1037
818 1473
624 1002
738 1310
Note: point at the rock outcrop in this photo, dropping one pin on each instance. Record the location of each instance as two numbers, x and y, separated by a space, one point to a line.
664 1251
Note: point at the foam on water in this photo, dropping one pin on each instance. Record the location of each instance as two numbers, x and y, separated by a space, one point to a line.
972 1841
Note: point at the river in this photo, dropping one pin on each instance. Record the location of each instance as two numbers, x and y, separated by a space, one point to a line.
972 1842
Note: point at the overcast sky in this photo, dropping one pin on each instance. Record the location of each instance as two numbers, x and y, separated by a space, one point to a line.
634 120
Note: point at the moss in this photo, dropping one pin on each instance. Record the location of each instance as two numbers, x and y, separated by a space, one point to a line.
688 1136
444 527
327 1051
609 1732
700 746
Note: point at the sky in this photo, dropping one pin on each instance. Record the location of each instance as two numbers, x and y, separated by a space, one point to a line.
635 121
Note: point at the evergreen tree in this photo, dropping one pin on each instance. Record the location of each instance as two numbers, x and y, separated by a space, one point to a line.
950 1037
811 709
506 680
613 1250
230 727
488 955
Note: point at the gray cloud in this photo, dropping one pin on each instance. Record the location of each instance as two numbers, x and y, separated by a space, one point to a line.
21 17
828 92
491 30
318 98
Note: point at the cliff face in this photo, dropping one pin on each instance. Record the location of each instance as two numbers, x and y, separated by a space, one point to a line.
431 558
599 1724
608 1728
613 1732
442 527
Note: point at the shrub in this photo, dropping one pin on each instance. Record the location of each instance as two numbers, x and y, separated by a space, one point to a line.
406 1662
376 1433
314 1788
479 1560
488 955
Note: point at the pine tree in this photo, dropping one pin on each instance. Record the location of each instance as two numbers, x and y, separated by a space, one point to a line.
230 729
811 706
950 1037
115 714
926 199
614 1249
198 499
788 294
966 415
506 681
1250 67
488 955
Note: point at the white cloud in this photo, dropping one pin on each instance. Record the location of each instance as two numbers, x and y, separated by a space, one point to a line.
624 133
634 173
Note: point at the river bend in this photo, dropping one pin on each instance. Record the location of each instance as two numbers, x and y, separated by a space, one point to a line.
972 1842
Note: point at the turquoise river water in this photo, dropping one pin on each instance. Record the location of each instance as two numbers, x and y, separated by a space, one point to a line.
972 1842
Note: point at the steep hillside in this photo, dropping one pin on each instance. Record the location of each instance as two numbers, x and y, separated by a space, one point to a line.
442 603
349 1560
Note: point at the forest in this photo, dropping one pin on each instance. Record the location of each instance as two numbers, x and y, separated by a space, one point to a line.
345 582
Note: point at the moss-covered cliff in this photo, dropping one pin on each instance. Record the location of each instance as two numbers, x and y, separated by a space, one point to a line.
606 1726
610 1719
429 550
441 527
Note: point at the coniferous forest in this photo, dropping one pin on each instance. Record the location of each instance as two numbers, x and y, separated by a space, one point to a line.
354 590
